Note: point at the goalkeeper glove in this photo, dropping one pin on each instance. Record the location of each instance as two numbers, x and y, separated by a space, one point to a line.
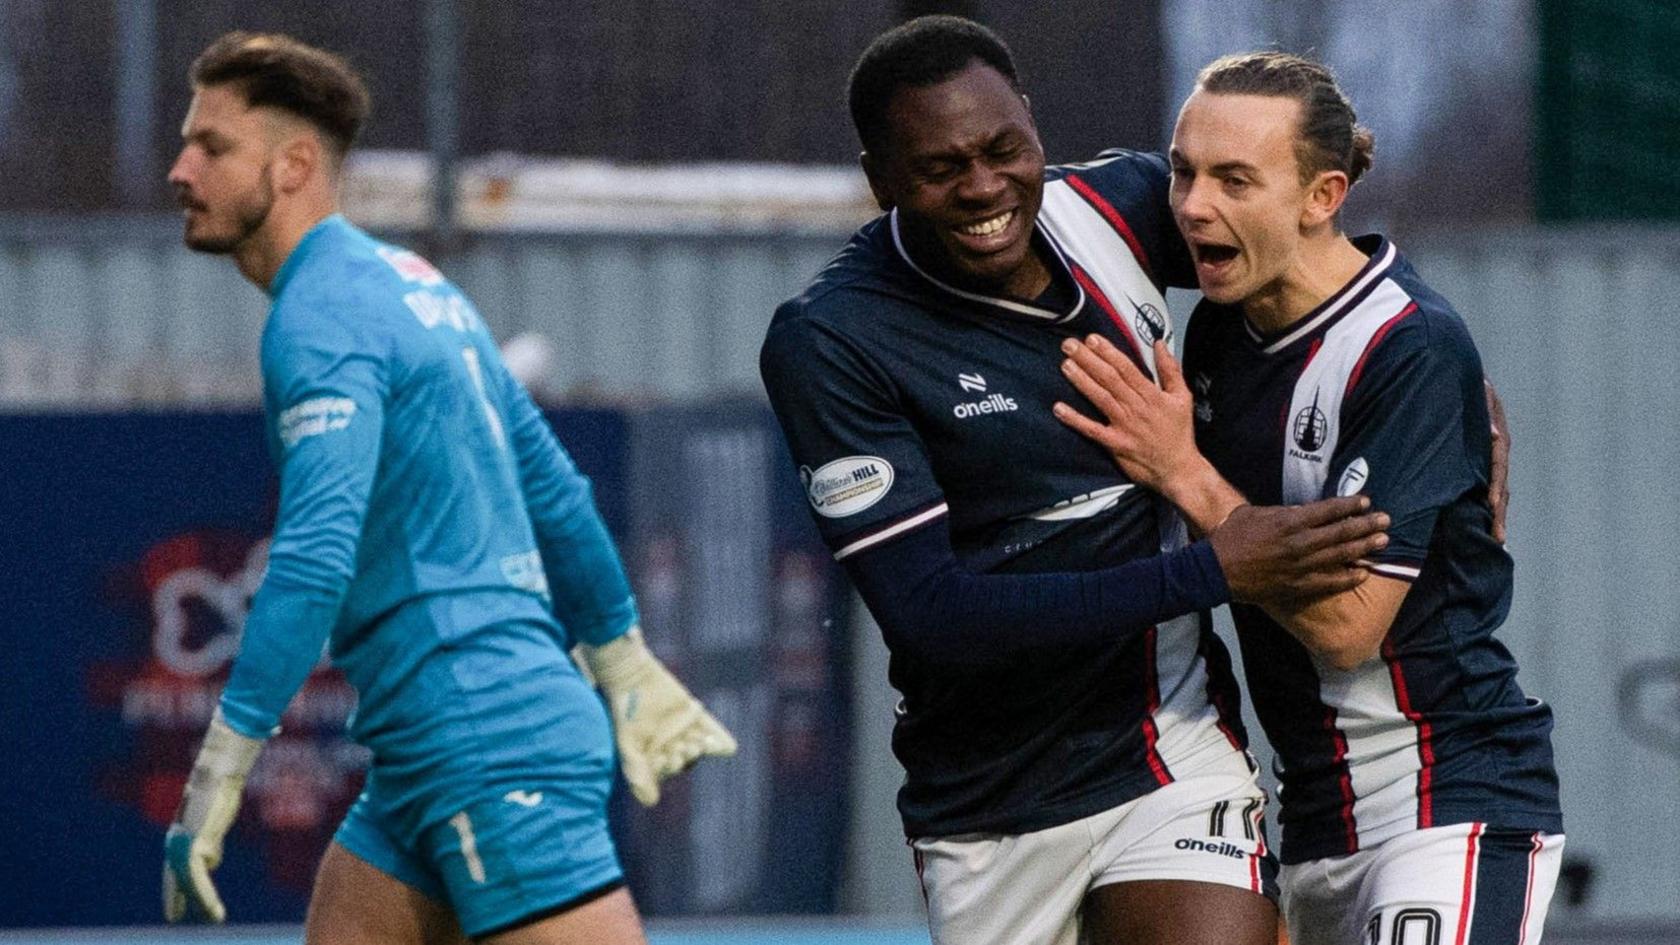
193 846
660 727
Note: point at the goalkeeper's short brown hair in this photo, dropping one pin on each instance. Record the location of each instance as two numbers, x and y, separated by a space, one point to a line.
272 70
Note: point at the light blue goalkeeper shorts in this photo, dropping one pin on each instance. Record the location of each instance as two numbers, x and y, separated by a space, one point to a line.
489 787
501 862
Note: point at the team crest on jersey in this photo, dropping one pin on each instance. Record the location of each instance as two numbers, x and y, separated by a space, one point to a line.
1149 322
847 486
1309 430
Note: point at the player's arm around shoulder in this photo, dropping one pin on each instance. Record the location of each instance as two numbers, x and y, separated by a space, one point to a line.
1135 187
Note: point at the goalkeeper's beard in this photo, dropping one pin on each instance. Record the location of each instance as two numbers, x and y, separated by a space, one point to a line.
248 217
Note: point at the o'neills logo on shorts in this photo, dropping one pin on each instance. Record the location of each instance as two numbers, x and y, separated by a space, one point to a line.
847 486
1221 848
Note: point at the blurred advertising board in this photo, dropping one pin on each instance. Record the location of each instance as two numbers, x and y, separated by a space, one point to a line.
132 543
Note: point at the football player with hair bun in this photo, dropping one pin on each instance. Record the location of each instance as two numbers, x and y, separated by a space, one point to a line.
1419 798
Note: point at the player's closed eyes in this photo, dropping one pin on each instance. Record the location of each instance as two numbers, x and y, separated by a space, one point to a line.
938 173
1005 154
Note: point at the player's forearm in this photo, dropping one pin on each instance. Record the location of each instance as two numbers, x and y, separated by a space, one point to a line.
549 480
933 610
586 577
1202 496
1345 629
284 636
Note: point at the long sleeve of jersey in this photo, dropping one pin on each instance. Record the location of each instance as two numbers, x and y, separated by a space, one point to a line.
832 402
326 394
934 610
591 593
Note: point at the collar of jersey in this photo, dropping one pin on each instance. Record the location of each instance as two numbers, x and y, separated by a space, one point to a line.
295 257
1014 306
1383 254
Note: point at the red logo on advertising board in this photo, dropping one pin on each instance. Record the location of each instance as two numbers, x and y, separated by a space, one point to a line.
187 597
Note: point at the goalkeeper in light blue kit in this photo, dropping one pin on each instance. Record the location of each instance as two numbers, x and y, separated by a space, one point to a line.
431 529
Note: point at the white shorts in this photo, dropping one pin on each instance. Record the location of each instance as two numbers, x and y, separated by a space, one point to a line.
1464 884
1028 889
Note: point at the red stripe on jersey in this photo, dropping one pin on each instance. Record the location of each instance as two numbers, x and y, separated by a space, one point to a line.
1528 893
1469 884
1426 742
1376 339
1150 734
1135 351
1344 779
1312 352
1114 219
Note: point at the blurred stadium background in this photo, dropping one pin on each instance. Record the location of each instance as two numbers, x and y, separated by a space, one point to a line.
627 189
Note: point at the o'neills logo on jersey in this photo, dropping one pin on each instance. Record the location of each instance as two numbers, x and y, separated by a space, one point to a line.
996 403
1221 847
1308 431
847 486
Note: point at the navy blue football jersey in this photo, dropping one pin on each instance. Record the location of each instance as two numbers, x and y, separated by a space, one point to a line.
1379 391
909 403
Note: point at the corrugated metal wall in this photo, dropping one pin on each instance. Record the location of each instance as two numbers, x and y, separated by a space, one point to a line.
121 315
1571 326
1574 329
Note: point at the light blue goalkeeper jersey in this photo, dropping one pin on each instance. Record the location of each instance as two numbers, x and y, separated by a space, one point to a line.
430 525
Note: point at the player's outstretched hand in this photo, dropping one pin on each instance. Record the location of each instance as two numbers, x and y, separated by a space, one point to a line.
660 727
193 846
1284 554
1149 431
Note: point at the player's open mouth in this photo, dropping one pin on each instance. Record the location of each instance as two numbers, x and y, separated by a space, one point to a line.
1213 260
989 227
1214 254
989 235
